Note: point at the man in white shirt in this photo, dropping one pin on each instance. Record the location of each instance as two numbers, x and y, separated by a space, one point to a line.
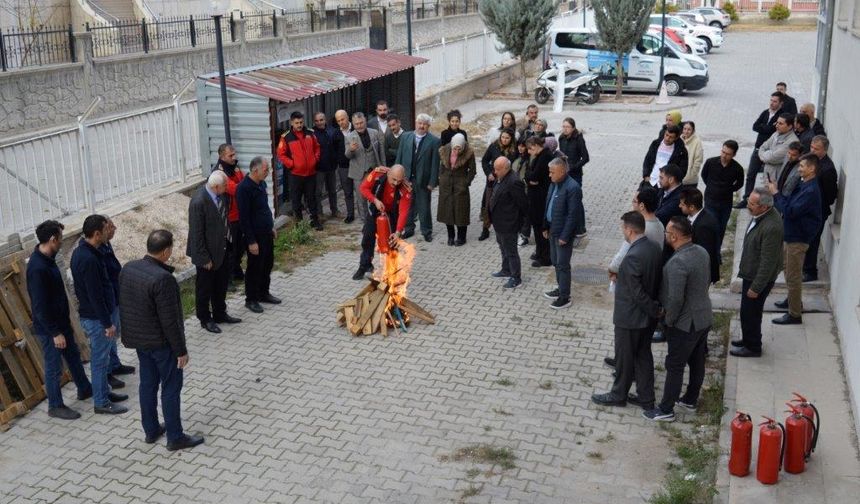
379 122
662 152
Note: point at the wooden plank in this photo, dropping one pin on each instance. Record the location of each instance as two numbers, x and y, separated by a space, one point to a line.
416 311
350 302
348 315
371 307
17 371
5 395
377 319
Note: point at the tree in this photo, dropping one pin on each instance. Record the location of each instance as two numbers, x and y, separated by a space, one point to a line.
521 27
621 23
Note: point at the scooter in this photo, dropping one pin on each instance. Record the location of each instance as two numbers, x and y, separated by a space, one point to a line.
579 86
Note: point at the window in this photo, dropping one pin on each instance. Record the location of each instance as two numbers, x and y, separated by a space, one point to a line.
575 41
648 45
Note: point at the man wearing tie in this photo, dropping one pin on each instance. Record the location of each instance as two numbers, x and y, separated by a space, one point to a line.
418 152
209 245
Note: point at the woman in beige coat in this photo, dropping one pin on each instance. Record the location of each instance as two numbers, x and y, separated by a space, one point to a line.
695 153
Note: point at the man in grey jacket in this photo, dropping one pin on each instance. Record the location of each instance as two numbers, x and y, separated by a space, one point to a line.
774 150
365 149
635 316
688 318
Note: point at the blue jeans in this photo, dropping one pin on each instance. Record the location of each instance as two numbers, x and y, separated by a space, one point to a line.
560 257
158 367
100 362
54 368
723 212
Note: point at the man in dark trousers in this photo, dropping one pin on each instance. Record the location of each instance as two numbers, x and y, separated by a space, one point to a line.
331 147
299 152
663 152
51 322
761 262
635 317
152 320
228 164
258 228
688 318
706 230
723 176
418 152
209 246
509 209
828 183
764 126
98 311
344 128
560 225
670 193
384 190
114 267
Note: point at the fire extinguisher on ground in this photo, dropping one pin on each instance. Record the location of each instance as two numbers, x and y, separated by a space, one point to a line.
771 448
808 409
741 451
797 429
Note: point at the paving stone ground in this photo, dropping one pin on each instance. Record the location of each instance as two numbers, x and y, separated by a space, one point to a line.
295 410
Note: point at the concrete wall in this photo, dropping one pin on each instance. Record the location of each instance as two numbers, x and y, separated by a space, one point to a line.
428 31
842 237
25 12
49 96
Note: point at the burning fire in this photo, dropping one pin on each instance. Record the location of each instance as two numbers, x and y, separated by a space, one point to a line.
395 272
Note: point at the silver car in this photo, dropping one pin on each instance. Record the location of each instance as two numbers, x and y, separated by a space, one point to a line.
714 16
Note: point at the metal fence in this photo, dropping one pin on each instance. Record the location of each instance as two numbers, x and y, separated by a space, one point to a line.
86 166
424 9
129 36
453 59
260 25
764 5
43 45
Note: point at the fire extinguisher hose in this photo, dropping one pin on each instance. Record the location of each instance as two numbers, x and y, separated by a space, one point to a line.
817 428
782 450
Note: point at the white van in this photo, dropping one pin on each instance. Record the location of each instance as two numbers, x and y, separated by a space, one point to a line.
578 49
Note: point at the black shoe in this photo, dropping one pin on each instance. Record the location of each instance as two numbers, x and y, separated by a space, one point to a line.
484 234
741 204
782 305
407 234
634 399
63 413
538 264
110 409
211 326
501 274
608 400
744 352
122 369
185 442
153 439
787 319
254 306
809 277
659 415
115 383
112 397
533 257
609 361
86 395
450 242
359 274
349 219
227 319
428 237
459 242
270 299
658 337
316 225
560 303
553 294
738 343
512 283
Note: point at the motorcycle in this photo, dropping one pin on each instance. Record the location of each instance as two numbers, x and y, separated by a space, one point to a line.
579 86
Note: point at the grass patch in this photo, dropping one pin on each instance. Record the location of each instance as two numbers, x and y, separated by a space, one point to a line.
487 428
691 481
711 407
576 333
471 491
483 454
584 380
545 385
516 319
729 255
500 411
505 382
594 455
659 367
473 473
607 438
186 294
298 244
722 329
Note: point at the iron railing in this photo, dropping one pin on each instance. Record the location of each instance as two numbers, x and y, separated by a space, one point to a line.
426 9
260 25
43 45
128 36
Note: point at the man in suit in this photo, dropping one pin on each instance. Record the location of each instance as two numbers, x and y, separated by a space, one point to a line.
392 139
635 317
761 262
773 151
379 122
419 154
258 228
365 149
344 128
209 246
764 126
152 321
670 193
508 211
808 109
828 183
688 318
789 104
560 224
706 229
663 152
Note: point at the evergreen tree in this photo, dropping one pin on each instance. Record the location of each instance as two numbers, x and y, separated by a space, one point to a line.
621 23
520 26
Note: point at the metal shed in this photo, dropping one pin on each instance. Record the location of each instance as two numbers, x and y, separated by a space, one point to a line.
261 98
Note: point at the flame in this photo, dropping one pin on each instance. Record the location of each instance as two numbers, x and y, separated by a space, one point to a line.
395 271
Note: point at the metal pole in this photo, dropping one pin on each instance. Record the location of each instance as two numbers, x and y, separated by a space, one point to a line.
409 27
219 50
177 130
662 48
583 13
84 152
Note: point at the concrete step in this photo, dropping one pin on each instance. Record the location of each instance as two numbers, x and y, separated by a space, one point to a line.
119 9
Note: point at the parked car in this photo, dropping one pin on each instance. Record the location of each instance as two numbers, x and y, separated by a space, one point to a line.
711 35
684 43
578 49
714 16
691 17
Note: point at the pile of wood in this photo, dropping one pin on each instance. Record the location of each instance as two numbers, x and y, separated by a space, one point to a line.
372 310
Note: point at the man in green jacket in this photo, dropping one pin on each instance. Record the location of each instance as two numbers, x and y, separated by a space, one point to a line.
761 262
418 152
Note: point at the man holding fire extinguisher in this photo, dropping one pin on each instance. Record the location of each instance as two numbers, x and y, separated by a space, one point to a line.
385 192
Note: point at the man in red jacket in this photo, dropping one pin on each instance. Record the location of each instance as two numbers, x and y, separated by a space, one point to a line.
299 152
230 166
386 192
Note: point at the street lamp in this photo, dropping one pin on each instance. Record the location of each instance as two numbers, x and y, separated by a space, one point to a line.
218 8
409 27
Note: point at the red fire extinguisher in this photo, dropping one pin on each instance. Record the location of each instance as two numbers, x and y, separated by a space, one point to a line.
383 231
739 457
771 448
797 428
808 409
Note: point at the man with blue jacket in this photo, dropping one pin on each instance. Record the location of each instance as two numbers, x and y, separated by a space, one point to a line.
801 217
563 205
98 310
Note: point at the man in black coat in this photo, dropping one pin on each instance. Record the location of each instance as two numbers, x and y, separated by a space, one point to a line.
664 151
635 317
828 183
152 321
508 211
706 229
209 245
537 178
764 126
331 147
789 104
114 267
723 176
670 193
258 228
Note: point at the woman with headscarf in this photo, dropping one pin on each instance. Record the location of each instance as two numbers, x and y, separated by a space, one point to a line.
673 118
504 146
695 153
456 173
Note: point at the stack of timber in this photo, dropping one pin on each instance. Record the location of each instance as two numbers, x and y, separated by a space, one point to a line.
374 310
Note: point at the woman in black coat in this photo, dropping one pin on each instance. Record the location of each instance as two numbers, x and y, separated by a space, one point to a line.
454 118
537 180
504 146
572 144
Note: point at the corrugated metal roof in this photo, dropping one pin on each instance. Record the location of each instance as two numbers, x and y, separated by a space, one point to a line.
298 80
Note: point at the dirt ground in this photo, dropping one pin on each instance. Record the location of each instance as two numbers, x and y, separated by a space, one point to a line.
132 227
